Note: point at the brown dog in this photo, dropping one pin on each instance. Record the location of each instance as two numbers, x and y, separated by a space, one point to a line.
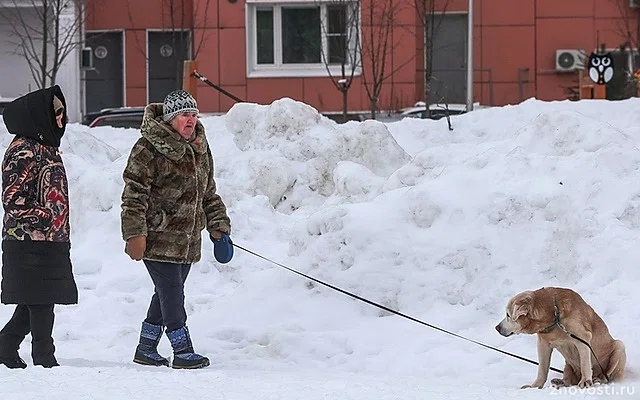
560 317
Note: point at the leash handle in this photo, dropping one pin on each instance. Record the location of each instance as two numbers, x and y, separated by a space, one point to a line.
385 308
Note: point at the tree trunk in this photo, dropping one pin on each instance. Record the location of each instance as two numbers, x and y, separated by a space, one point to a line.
345 93
374 107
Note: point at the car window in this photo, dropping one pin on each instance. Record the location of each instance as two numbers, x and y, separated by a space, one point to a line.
118 121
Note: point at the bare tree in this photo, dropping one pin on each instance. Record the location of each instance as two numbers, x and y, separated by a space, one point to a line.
628 27
379 16
626 82
45 32
341 45
428 14
376 46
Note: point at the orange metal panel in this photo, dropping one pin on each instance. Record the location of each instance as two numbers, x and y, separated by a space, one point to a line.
394 97
231 15
551 87
136 96
226 102
512 47
614 9
266 90
322 94
566 8
206 13
454 5
135 58
507 12
506 93
233 58
561 33
208 99
611 32
208 59
403 56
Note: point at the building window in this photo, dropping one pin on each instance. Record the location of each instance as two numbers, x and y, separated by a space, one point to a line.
301 37
264 36
337 34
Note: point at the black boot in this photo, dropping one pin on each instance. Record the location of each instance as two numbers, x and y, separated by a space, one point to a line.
147 350
42 352
9 353
11 336
13 362
183 355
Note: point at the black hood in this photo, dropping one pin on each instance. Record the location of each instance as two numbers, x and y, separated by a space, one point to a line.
32 116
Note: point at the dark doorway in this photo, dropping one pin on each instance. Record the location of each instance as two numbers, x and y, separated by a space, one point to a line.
104 84
167 52
448 82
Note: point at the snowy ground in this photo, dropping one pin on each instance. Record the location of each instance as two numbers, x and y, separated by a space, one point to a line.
443 226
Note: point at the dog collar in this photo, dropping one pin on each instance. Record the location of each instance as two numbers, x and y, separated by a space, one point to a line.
556 313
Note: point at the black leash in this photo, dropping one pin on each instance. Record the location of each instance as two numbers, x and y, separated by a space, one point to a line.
204 79
355 296
559 324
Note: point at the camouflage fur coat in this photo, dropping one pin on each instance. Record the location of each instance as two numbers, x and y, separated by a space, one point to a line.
169 191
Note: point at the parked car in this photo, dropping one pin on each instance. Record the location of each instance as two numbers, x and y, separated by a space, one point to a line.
437 111
120 117
337 116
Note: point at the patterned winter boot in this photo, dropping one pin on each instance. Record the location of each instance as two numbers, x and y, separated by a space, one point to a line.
147 350
183 355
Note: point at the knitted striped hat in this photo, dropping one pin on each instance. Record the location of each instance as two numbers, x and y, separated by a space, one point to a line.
178 102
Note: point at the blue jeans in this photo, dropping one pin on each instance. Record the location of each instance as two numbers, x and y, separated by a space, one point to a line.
167 302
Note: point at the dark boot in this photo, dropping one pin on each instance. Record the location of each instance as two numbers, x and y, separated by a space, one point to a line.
9 352
41 318
183 355
147 350
11 336
42 352
13 362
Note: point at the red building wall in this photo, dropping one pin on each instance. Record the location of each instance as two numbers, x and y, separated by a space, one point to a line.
515 40
526 33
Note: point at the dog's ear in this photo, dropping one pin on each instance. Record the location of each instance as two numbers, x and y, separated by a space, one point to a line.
522 306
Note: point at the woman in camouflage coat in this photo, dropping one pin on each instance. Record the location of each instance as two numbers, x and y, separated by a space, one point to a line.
169 197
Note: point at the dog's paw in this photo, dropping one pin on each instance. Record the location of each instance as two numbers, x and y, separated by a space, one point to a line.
533 385
585 383
558 383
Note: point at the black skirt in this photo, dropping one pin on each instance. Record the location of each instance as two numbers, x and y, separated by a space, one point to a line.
37 272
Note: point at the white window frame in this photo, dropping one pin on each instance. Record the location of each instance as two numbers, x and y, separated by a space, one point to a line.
278 68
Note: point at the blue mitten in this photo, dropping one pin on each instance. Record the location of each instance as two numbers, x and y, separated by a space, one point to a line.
222 248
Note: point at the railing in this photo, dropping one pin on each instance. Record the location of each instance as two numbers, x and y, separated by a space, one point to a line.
523 79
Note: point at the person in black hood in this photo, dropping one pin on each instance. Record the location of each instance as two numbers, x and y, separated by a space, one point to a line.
36 263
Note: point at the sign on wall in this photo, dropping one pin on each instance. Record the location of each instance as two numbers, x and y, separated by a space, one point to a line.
601 67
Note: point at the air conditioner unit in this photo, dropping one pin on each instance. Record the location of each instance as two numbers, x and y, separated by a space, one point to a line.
568 60
634 3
